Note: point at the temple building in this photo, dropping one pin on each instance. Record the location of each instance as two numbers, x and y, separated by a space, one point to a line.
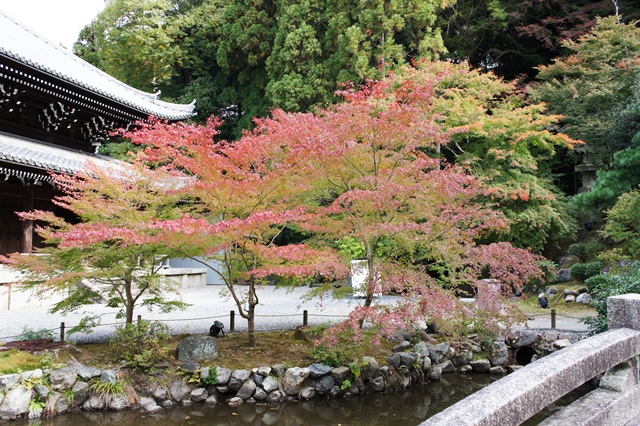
55 111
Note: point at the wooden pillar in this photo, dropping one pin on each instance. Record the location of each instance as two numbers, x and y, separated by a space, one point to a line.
27 225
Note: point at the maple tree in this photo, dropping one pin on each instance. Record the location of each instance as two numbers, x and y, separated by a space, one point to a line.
416 219
369 170
246 196
366 170
107 254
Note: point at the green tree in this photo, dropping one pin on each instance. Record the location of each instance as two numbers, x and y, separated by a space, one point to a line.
623 225
512 38
588 85
623 176
241 58
506 142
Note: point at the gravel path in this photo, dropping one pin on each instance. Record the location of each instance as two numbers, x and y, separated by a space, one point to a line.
279 309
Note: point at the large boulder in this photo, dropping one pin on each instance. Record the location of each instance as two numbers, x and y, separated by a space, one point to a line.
325 384
109 376
119 402
564 275
81 392
293 378
270 384
260 394
15 403
584 298
197 348
439 352
318 370
237 379
340 374
8 380
57 403
180 391
464 357
199 395
481 365
551 291
407 359
88 373
521 338
499 354
246 390
222 375
421 349
369 368
63 378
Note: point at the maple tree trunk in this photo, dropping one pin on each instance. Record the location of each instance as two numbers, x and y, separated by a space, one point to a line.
251 320
370 283
128 303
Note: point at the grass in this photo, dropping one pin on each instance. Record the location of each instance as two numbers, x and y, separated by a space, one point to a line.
275 347
579 310
15 361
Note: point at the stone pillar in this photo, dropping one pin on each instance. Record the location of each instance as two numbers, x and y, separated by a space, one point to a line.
624 311
27 225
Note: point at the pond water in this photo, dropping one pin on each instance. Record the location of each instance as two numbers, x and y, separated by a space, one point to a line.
402 408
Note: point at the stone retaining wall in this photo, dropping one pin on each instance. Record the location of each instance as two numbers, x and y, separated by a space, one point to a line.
49 393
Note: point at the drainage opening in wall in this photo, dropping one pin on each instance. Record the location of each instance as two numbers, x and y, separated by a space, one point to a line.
524 355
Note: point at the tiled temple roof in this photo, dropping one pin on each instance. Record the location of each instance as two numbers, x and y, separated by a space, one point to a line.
26 46
21 151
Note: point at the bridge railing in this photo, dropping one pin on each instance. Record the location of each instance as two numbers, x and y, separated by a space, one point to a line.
518 396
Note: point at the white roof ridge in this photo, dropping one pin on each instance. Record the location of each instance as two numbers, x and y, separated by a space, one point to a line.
22 43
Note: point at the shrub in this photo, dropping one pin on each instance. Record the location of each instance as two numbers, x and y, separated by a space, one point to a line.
140 345
334 356
579 250
582 271
603 286
29 334
99 387
212 378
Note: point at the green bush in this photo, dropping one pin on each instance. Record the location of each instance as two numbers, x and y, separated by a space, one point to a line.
582 271
334 356
603 286
29 334
579 250
140 345
212 378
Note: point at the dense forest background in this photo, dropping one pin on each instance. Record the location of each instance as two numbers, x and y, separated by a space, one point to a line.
241 59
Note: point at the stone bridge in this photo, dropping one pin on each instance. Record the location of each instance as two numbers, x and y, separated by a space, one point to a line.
518 396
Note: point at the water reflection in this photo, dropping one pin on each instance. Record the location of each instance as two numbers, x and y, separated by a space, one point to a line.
403 408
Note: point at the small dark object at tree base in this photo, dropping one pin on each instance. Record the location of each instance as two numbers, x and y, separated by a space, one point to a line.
543 302
216 329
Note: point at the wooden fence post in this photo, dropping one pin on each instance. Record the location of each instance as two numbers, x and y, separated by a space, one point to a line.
232 321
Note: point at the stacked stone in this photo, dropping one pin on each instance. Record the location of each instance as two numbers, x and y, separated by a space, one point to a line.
69 389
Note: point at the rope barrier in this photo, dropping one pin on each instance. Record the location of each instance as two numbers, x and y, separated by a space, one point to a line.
231 317
192 319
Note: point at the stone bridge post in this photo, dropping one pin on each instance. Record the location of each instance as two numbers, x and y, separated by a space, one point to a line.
624 311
